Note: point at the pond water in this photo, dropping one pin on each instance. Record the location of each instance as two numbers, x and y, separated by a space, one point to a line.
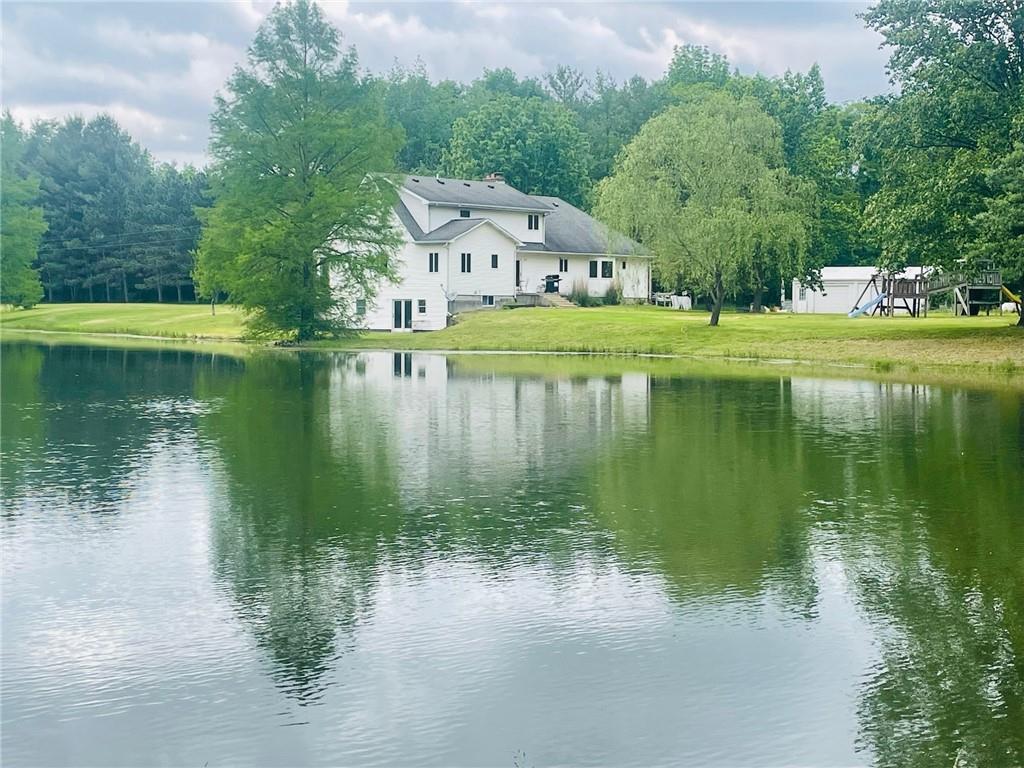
413 559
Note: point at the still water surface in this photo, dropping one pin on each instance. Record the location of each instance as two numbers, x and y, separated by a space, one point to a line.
418 560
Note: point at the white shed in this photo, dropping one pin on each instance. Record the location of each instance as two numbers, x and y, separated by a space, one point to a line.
841 288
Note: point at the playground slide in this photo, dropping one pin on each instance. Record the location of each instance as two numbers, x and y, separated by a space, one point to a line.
1011 295
858 311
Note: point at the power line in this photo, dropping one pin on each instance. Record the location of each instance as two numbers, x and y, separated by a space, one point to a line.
113 246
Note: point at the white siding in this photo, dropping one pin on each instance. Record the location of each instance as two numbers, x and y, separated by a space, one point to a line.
634 280
514 222
483 280
416 283
835 297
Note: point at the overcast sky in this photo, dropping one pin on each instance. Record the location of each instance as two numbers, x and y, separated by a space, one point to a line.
156 66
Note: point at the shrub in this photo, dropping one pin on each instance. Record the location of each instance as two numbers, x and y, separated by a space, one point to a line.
614 294
581 297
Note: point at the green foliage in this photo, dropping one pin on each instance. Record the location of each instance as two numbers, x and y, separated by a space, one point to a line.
299 229
702 185
580 295
534 142
21 221
426 112
118 226
960 69
612 114
1001 224
613 296
696 65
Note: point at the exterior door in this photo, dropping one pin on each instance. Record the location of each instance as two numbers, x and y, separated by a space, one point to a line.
402 314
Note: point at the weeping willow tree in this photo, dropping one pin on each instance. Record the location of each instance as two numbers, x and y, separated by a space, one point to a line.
703 186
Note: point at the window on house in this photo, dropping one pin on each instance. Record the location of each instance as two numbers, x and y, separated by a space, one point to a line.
563 265
606 268
360 306
533 221
434 261
803 293
467 262
487 301
623 265
421 305
494 261
593 269
464 213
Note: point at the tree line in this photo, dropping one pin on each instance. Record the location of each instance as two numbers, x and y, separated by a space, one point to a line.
736 182
116 226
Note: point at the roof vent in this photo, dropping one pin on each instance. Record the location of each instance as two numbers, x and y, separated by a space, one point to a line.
490 186
465 183
439 181
496 177
415 179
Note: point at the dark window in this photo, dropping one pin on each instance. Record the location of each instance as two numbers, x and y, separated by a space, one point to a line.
623 265
563 265
606 268
421 305
360 306
464 213
467 262
533 221
488 301
593 269
494 261
434 260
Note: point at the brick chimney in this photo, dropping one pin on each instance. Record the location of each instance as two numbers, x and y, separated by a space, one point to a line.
494 176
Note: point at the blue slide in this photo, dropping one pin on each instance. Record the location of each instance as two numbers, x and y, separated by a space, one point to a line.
858 311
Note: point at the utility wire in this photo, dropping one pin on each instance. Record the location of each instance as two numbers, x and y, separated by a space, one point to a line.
53 248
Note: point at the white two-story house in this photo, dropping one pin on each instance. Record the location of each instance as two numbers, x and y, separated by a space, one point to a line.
475 245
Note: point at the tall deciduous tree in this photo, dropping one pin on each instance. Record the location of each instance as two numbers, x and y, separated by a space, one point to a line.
426 111
536 143
21 221
294 142
960 66
703 185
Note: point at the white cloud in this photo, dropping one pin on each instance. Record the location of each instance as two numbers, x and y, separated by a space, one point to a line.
156 68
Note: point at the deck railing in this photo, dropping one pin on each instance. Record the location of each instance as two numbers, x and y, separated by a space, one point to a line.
943 281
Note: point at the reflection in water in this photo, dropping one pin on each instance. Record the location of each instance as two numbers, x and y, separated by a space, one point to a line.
413 558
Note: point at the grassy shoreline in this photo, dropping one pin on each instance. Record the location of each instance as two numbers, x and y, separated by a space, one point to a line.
964 347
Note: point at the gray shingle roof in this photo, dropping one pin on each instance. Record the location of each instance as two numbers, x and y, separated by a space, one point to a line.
443 234
452 229
405 216
469 193
567 229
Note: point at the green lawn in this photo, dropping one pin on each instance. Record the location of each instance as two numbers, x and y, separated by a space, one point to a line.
990 343
932 341
172 320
